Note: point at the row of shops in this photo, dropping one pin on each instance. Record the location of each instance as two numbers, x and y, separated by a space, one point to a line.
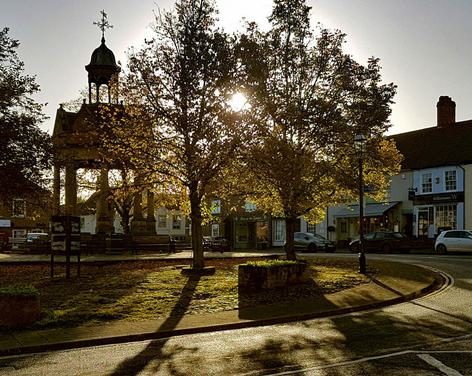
422 217
410 211
251 231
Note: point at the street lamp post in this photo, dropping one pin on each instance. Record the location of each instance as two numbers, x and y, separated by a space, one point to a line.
359 142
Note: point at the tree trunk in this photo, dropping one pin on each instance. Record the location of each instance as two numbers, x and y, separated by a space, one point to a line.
125 218
290 223
196 218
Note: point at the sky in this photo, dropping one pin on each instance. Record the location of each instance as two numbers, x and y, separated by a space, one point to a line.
424 46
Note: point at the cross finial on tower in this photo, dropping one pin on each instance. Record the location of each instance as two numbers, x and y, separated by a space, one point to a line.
103 24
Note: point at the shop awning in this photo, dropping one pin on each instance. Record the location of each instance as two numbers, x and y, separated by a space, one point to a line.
370 210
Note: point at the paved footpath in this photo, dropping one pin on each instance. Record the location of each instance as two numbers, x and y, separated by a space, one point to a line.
395 283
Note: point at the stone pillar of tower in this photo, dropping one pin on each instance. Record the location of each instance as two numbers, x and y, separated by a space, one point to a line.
138 223
150 218
71 189
56 208
103 224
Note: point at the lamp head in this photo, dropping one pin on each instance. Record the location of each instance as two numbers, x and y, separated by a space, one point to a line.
359 141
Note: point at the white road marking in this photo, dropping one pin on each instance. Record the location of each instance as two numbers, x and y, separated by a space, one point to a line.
339 364
440 366
421 355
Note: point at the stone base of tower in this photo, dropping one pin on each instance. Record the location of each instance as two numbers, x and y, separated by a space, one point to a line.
104 226
139 227
151 227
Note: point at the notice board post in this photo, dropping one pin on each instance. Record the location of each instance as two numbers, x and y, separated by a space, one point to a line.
65 240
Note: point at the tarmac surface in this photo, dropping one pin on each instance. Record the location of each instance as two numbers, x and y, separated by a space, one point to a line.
396 283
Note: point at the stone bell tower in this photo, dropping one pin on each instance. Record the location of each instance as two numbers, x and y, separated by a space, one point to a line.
76 141
102 67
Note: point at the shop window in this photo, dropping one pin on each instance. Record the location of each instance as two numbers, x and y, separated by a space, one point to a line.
446 217
19 208
450 180
426 182
215 207
176 222
162 221
262 231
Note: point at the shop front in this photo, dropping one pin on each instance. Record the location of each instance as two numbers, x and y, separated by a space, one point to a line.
250 232
377 217
437 212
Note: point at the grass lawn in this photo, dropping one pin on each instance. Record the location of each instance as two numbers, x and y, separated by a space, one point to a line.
141 290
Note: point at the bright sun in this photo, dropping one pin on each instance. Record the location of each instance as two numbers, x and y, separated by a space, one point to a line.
238 102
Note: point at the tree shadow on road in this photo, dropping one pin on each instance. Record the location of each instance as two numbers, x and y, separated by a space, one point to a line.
154 350
294 300
324 342
321 343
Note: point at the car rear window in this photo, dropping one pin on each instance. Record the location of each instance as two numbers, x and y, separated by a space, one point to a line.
452 234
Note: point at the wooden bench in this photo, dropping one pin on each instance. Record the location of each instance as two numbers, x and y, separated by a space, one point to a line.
152 243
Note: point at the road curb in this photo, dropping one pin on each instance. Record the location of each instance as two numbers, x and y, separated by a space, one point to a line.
437 283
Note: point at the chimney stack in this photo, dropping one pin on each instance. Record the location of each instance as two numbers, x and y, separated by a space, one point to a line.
446 111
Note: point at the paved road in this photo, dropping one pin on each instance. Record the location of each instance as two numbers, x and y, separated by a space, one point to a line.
428 336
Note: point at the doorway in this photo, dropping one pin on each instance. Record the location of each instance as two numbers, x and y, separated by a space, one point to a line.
425 219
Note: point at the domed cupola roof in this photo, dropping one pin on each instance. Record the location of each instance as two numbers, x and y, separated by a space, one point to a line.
102 65
103 56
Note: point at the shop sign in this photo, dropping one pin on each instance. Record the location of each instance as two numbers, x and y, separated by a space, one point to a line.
250 219
439 198
5 223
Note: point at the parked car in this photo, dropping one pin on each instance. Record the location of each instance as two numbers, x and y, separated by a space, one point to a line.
215 244
3 241
312 242
32 236
385 241
454 240
37 242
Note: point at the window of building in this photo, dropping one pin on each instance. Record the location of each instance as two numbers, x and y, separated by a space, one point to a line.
279 230
215 230
426 182
19 208
450 180
176 222
343 226
249 207
162 221
311 228
18 234
215 207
